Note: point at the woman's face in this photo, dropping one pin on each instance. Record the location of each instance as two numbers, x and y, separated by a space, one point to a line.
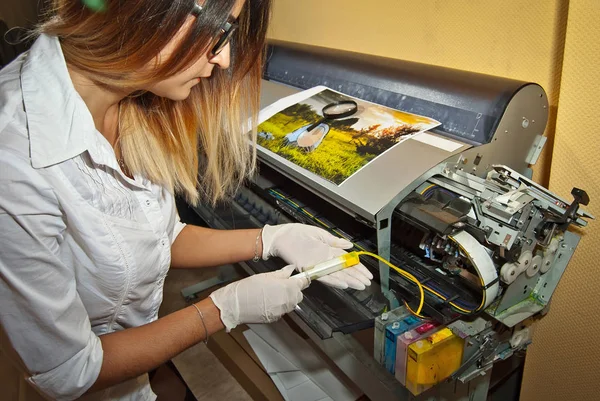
178 86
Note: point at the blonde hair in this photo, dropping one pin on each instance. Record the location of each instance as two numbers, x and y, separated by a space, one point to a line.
200 143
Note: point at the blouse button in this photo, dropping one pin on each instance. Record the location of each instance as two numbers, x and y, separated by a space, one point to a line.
147 203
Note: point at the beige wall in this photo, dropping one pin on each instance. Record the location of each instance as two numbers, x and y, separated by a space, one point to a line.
564 361
522 40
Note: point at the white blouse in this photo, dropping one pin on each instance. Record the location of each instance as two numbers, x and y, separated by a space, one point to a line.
84 250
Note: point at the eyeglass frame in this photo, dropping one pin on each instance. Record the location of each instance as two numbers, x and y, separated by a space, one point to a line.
228 30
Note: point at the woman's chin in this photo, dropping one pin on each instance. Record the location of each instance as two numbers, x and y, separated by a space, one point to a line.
177 95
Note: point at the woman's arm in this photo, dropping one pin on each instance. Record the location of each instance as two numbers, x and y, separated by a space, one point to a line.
202 247
300 245
261 298
135 351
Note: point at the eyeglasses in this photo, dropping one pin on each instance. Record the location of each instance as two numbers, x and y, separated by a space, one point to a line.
227 32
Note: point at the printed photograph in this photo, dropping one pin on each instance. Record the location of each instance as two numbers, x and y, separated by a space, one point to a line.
334 135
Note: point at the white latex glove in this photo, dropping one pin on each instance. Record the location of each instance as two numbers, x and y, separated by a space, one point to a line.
304 246
262 298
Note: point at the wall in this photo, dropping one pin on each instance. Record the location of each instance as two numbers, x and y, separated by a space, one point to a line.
516 39
563 363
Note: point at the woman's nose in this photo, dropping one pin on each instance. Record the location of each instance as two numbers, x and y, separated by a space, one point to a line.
223 59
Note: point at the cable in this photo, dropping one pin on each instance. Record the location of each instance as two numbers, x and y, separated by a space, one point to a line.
403 273
299 208
483 296
455 306
427 189
421 288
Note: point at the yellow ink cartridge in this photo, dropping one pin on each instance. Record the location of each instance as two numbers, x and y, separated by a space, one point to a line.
432 360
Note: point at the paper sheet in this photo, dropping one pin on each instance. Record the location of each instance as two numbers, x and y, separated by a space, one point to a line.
334 135
289 380
280 337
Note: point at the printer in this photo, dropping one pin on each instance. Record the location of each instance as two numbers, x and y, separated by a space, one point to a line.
458 211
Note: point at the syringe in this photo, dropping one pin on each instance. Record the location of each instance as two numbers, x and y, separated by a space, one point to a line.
331 266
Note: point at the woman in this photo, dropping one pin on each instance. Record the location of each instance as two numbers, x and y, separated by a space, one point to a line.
100 124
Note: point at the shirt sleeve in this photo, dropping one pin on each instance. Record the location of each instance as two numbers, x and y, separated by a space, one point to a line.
42 316
178 226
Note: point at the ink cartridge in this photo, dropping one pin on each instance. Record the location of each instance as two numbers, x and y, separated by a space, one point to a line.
391 336
432 360
411 336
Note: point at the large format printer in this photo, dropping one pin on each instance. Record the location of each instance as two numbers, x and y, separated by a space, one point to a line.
459 212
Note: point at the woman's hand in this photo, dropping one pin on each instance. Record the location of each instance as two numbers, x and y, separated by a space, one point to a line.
304 246
262 298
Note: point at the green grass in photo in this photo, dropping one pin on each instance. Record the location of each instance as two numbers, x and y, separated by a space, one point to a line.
335 159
